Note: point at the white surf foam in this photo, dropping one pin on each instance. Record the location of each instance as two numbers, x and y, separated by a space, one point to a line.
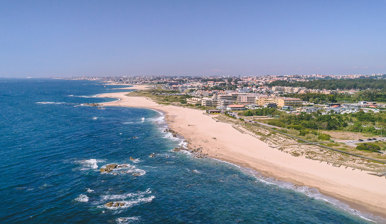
196 171
142 120
95 118
125 196
82 198
131 203
136 160
92 96
127 169
89 190
127 220
163 127
49 102
126 200
89 163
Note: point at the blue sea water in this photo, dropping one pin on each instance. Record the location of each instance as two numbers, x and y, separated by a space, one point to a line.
52 147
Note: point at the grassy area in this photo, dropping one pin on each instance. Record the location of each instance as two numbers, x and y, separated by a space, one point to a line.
372 123
168 97
298 127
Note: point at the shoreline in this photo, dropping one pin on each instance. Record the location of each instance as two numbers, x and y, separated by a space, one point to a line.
218 140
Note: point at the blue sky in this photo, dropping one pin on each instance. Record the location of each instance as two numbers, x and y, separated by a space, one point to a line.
66 38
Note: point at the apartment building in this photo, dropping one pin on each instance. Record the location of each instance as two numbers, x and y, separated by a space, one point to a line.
287 101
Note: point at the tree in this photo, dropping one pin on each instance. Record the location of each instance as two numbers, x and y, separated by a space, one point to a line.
369 147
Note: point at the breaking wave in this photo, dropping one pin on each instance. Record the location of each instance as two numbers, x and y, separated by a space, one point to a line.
49 102
126 169
163 127
131 203
125 196
128 200
92 96
89 163
82 198
126 220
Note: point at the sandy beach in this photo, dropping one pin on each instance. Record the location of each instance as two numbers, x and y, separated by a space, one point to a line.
131 87
220 140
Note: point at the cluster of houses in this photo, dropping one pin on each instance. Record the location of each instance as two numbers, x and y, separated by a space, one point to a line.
242 101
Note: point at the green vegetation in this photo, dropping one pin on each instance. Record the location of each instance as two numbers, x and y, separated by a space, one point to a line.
163 96
365 95
372 147
324 137
334 84
374 123
261 112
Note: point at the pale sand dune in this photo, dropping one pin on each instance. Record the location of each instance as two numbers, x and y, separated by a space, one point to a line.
136 87
220 140
133 87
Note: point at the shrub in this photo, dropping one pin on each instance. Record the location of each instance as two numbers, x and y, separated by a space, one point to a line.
311 137
369 147
295 126
325 137
303 132
276 123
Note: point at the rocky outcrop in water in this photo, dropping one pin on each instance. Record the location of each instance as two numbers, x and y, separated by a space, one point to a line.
112 204
109 168
171 131
177 149
92 104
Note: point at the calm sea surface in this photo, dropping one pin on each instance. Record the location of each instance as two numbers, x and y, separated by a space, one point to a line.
52 147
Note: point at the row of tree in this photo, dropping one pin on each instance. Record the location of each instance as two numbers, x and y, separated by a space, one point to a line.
365 95
334 84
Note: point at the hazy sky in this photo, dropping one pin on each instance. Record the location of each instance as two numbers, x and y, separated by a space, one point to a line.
52 38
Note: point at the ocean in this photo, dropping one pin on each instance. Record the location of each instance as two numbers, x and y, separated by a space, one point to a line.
52 147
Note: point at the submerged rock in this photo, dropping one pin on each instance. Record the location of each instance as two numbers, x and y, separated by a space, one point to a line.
109 168
92 104
114 204
177 149
109 204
